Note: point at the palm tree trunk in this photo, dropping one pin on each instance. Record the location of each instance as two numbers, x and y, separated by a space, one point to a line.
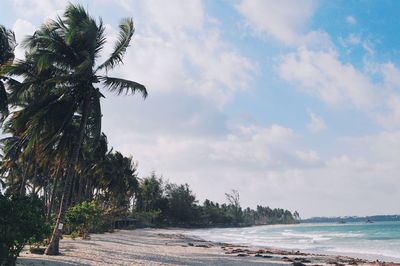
81 188
72 194
22 189
53 193
53 248
88 195
34 179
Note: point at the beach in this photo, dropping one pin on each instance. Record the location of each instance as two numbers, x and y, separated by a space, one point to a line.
173 247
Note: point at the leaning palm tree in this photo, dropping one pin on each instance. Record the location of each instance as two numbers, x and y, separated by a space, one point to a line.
60 67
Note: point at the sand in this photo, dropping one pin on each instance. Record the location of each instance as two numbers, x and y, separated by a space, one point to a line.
171 247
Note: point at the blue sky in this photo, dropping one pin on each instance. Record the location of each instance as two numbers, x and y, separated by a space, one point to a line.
295 103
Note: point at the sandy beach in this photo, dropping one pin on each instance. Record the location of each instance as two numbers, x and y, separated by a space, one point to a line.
172 247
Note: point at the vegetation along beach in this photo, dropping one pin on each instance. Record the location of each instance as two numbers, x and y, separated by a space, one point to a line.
248 132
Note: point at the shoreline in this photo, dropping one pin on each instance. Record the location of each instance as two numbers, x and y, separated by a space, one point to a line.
173 246
373 256
293 256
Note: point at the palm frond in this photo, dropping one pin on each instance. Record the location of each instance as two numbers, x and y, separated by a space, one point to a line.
48 39
125 35
100 38
123 86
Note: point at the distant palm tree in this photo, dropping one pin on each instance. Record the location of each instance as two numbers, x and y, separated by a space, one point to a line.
119 181
60 69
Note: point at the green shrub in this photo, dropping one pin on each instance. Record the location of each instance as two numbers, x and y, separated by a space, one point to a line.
83 217
22 222
74 235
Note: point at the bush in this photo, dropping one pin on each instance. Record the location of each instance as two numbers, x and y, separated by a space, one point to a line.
22 222
82 218
74 235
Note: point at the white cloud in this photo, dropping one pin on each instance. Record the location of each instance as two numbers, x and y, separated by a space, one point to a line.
353 39
310 156
22 29
351 20
391 74
346 179
215 72
42 8
253 144
285 20
367 47
174 15
323 75
169 55
316 124
384 145
126 4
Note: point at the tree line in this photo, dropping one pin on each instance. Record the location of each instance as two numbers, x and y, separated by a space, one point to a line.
172 204
55 156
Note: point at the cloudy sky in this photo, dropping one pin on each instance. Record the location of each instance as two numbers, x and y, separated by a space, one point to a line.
296 104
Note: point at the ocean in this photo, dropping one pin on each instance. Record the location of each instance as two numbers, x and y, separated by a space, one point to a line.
380 240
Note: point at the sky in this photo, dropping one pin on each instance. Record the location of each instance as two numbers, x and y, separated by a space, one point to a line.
294 103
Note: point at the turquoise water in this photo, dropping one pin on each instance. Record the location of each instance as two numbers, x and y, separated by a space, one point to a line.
379 240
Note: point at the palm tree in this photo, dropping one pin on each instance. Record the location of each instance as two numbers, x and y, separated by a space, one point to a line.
119 182
60 67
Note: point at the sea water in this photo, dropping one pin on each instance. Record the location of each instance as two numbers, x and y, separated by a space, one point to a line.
374 241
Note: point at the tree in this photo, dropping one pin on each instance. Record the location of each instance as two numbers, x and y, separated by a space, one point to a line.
234 201
60 69
119 180
150 194
296 216
213 214
181 203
